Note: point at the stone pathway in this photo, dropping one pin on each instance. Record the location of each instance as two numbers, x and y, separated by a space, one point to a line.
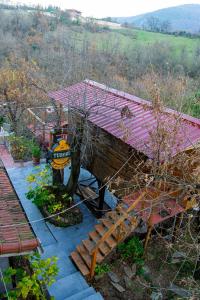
70 284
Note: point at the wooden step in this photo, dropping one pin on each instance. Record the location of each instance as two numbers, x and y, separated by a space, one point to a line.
111 241
112 215
77 259
83 252
89 245
104 248
107 224
86 192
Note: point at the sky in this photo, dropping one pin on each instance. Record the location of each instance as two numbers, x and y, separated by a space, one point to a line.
111 8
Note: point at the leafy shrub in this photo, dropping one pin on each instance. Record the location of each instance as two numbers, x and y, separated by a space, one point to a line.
55 207
38 193
133 250
1 120
43 272
20 148
102 269
36 151
42 194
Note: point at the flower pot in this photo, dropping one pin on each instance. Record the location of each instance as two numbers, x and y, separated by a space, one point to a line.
36 160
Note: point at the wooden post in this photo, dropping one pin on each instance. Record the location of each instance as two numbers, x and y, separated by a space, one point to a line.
43 133
61 113
93 263
150 227
50 139
102 190
34 125
45 116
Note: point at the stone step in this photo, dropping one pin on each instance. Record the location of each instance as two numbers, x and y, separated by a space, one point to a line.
96 296
82 295
68 286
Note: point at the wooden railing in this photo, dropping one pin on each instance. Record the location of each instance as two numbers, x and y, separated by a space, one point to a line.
119 222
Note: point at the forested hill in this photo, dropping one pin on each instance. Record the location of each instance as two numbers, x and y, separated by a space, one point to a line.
181 18
64 51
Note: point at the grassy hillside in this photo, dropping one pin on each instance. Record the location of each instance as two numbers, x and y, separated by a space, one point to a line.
181 18
128 38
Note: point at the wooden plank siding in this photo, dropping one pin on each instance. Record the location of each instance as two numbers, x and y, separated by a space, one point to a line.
104 154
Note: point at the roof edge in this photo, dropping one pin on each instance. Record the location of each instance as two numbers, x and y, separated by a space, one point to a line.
138 100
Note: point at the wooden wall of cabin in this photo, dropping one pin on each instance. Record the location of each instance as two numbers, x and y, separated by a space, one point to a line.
104 155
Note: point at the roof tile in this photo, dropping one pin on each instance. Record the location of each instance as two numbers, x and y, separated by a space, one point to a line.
16 235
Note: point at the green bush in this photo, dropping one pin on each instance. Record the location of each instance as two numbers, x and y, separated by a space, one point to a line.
102 269
20 147
36 151
133 250
29 285
43 194
1 120
38 193
40 196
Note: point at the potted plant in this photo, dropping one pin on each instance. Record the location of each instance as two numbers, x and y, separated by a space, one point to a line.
36 154
18 148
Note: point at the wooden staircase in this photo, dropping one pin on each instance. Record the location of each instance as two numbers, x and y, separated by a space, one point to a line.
113 228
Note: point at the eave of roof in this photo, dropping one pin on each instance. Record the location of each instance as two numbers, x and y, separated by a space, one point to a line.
16 235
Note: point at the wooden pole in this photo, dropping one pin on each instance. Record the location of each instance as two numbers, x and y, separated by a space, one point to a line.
93 263
43 133
102 190
150 228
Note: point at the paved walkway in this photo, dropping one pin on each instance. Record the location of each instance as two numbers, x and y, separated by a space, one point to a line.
70 284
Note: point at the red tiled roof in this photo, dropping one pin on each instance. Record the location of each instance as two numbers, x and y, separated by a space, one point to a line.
18 238
105 105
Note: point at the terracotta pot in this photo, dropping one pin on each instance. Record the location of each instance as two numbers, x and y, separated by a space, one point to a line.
36 160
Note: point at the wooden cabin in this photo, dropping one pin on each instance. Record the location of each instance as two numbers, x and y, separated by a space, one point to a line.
121 129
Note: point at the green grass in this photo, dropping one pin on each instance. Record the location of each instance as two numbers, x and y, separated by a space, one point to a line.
124 39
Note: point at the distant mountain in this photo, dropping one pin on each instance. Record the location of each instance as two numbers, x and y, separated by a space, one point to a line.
180 18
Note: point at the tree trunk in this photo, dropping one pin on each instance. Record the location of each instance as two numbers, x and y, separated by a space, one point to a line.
75 158
57 177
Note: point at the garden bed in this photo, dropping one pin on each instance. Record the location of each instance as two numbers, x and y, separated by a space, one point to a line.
72 217
53 201
62 213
